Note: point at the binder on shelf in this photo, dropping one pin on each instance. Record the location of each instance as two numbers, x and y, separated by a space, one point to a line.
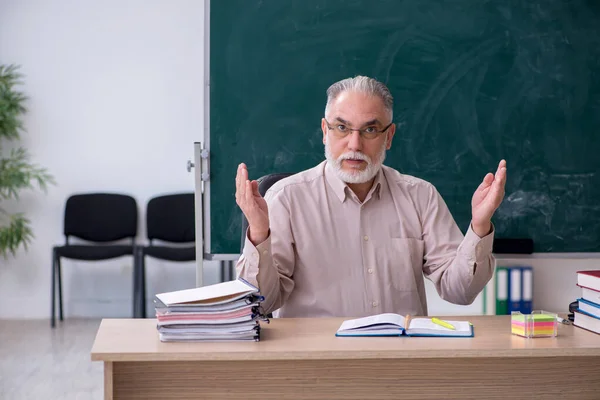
489 297
514 283
526 290
501 291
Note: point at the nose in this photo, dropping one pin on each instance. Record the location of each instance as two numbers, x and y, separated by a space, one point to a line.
355 141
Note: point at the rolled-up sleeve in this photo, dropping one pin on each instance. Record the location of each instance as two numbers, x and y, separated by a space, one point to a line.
270 264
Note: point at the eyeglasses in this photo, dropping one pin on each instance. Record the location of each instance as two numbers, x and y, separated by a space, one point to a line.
370 132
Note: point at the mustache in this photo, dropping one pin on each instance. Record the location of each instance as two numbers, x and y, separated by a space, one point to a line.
355 155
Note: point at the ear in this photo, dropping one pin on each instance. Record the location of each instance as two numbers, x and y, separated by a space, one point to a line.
390 136
324 129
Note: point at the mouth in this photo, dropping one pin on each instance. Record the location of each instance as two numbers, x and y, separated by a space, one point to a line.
354 162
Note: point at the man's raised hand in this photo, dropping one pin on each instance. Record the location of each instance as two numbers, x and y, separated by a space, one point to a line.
253 205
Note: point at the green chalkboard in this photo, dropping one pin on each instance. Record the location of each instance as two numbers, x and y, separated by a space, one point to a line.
473 81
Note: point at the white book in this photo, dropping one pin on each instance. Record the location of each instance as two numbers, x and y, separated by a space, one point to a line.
191 337
207 321
590 295
219 293
587 322
390 324
209 329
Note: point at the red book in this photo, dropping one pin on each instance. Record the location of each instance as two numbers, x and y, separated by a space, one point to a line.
589 279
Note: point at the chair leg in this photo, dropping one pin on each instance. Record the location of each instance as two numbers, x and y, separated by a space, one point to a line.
227 273
53 291
136 278
60 300
231 267
142 262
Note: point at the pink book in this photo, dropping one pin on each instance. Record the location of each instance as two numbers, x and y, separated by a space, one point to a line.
205 316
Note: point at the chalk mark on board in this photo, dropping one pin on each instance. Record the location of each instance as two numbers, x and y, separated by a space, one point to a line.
442 85
389 51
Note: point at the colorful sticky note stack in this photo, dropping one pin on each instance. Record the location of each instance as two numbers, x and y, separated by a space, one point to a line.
536 324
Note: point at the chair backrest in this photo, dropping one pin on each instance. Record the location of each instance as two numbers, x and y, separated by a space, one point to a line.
264 183
101 217
171 218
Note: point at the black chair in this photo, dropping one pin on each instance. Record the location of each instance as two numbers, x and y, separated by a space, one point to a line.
96 218
169 218
264 183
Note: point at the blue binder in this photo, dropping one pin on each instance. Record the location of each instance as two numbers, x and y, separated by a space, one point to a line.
526 290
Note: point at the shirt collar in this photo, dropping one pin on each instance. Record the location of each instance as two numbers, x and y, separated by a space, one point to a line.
340 188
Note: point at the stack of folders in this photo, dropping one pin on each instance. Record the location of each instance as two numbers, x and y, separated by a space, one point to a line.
510 289
587 314
228 311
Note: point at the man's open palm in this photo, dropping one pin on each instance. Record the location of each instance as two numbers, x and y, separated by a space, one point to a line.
253 205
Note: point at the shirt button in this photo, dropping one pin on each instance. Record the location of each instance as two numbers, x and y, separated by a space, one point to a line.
366 238
370 270
375 304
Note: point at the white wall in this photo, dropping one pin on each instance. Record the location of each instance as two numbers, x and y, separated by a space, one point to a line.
554 283
116 103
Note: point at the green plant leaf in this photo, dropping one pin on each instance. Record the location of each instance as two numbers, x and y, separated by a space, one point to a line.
17 172
15 233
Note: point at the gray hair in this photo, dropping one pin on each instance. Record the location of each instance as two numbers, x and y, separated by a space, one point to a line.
361 84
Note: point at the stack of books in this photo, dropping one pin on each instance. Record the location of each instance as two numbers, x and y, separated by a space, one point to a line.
587 314
228 311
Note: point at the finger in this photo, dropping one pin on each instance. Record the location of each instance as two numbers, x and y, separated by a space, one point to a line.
238 179
500 179
497 174
249 197
487 181
497 189
255 191
243 179
485 191
237 184
501 175
501 165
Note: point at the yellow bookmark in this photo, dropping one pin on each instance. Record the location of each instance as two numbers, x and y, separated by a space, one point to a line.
442 323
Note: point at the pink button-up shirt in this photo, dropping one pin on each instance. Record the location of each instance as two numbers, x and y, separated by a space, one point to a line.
328 254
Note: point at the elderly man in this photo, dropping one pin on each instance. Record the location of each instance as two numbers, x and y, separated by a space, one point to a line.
351 237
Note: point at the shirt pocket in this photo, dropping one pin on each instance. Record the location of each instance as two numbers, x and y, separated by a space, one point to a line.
403 263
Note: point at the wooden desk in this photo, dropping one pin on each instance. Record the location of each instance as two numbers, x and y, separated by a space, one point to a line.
302 359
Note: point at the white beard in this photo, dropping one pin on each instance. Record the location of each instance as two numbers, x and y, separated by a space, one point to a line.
355 175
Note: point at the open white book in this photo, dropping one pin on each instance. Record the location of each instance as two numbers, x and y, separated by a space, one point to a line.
390 324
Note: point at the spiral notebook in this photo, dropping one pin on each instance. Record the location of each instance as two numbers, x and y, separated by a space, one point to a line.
390 324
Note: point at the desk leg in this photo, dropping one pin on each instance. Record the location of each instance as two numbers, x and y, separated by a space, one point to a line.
108 380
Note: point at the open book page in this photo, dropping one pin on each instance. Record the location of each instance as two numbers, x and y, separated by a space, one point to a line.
388 323
425 326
